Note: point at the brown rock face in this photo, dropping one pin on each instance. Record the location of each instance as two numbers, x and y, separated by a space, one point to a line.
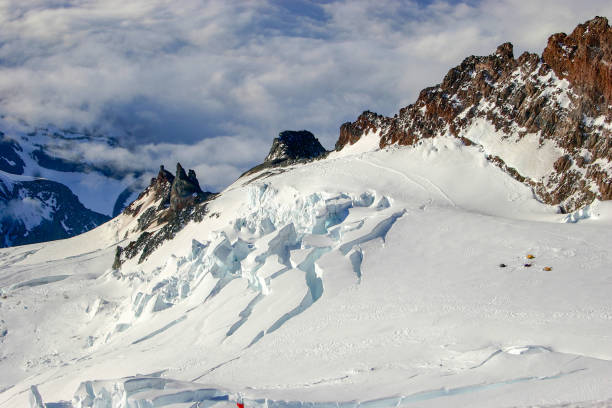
564 97
584 58
351 132
159 188
563 163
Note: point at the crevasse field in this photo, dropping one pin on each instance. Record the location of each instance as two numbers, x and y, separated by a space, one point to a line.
371 278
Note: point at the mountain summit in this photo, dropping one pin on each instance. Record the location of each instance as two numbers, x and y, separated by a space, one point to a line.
291 147
546 120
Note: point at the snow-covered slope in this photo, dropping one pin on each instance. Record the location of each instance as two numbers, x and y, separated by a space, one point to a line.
371 278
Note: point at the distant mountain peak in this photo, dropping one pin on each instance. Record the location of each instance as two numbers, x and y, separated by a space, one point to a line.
35 210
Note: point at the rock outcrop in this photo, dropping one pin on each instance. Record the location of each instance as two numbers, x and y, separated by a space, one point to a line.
583 58
10 160
185 190
291 147
294 145
162 210
563 98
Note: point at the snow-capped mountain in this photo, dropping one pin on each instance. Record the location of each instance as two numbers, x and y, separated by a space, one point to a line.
36 210
416 265
49 160
547 121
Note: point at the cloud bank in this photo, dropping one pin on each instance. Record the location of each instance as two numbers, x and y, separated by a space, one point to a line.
211 82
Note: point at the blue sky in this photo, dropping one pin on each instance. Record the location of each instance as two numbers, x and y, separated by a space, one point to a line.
185 77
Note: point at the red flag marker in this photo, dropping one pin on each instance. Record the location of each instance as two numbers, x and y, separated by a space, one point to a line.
240 404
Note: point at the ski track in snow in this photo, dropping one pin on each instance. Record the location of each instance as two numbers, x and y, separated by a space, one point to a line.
40 281
410 179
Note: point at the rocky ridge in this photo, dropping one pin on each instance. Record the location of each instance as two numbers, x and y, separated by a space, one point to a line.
542 98
161 210
562 98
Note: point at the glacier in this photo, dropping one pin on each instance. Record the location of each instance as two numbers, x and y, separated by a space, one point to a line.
370 278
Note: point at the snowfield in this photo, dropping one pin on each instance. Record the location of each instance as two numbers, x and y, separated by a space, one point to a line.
370 278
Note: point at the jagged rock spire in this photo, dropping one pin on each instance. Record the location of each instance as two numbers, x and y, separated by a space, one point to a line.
505 51
180 200
164 175
184 187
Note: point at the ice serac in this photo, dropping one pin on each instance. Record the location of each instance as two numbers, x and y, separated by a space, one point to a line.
375 278
555 108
